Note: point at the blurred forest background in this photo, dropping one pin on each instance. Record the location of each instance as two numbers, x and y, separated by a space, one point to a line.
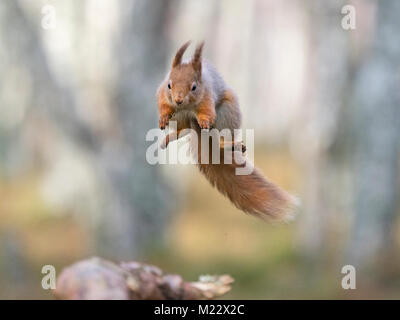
77 97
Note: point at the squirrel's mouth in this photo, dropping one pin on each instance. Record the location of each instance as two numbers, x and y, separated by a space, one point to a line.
181 105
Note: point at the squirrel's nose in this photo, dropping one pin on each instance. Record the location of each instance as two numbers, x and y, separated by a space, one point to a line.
178 101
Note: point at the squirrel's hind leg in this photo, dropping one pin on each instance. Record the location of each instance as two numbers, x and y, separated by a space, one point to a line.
228 112
229 117
172 137
233 145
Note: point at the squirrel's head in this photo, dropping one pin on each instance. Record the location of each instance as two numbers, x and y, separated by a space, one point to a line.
185 85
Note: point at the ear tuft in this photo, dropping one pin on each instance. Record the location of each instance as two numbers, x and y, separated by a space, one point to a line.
197 57
198 52
179 54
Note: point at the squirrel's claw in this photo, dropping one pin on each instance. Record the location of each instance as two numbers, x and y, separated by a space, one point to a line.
239 146
204 124
165 143
163 122
244 148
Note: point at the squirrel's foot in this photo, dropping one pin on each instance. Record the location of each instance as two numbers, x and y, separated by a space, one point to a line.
204 124
239 146
165 143
242 147
163 122
234 146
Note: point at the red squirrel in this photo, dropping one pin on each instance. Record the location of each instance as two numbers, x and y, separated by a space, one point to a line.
195 96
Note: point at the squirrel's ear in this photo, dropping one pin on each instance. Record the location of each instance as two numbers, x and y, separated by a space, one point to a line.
178 56
197 57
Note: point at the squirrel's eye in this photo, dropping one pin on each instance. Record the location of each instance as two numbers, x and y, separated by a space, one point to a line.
194 86
169 85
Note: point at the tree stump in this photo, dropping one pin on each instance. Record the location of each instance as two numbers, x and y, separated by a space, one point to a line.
97 278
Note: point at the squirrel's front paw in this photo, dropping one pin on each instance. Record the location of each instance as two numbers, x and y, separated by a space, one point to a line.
244 148
165 143
163 122
204 124
239 146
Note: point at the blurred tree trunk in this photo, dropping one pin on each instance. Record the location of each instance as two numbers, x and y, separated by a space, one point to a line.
137 214
25 68
134 209
30 100
353 134
377 123
321 134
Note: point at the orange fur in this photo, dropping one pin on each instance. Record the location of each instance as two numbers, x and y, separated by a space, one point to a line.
251 193
205 112
165 110
195 95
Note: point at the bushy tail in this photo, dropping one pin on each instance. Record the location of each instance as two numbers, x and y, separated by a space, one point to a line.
251 193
